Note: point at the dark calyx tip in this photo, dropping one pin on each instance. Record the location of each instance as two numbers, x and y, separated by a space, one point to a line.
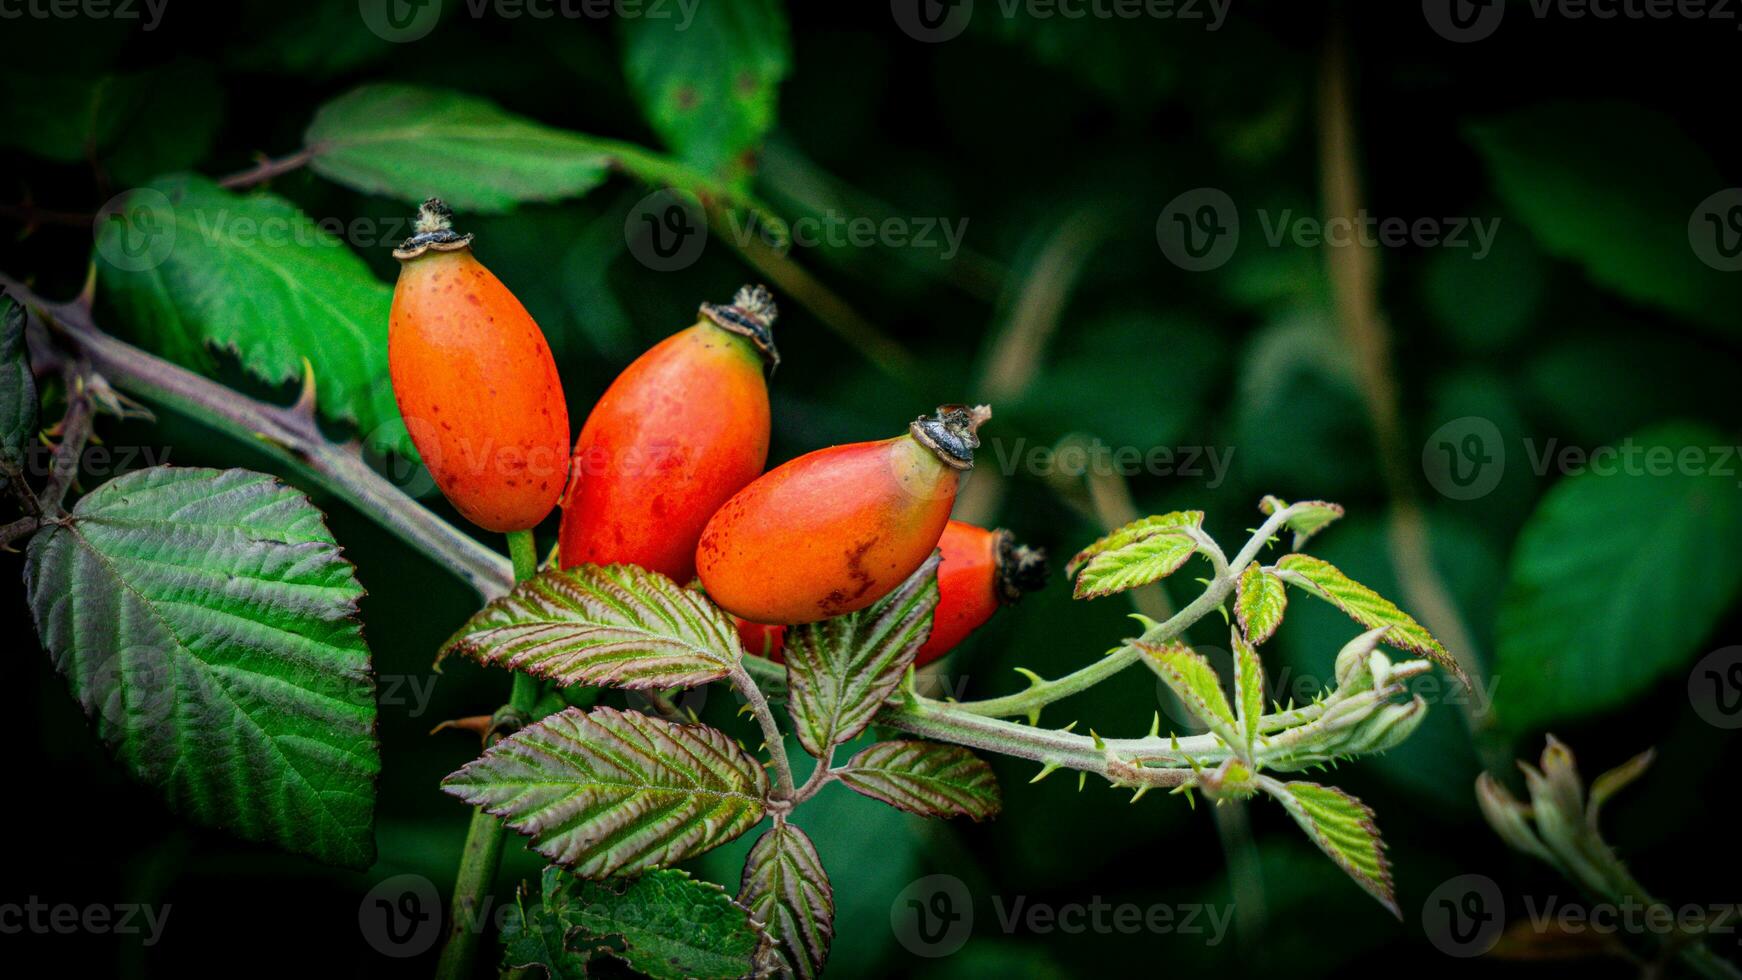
953 433
751 315
1020 569
433 230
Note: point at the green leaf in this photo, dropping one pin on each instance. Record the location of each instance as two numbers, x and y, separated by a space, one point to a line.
710 87
1617 579
1134 532
1342 826
192 267
406 142
1259 603
1364 606
663 924
1613 187
928 778
1194 682
617 626
535 937
788 892
17 388
1248 690
611 792
1140 563
839 671
206 622
1310 517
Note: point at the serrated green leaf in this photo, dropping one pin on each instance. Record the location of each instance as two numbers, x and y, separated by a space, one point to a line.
534 937
1364 606
1613 187
1342 826
206 622
612 792
839 671
1248 690
1310 517
1140 563
17 389
710 87
192 267
618 626
1616 580
664 924
1194 682
1134 532
788 892
407 142
928 778
1259 603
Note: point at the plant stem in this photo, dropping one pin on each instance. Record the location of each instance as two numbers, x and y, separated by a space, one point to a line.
268 168
482 854
1043 693
75 432
771 736
290 436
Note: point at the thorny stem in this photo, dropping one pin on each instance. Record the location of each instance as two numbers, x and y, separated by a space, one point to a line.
269 168
482 854
75 432
771 736
1043 693
286 433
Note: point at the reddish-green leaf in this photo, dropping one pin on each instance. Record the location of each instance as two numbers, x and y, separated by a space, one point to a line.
619 625
613 792
928 778
788 894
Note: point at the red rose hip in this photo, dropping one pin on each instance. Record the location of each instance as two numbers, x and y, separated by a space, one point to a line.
679 432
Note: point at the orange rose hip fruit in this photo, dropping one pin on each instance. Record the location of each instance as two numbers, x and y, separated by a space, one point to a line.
981 571
680 431
475 381
835 530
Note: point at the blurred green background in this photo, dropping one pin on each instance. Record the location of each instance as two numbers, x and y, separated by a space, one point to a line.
1065 150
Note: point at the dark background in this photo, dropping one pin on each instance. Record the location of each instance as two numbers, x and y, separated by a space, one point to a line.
1037 133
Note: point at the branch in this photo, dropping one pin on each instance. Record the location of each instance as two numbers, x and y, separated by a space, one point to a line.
75 432
269 168
284 433
771 736
1043 693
